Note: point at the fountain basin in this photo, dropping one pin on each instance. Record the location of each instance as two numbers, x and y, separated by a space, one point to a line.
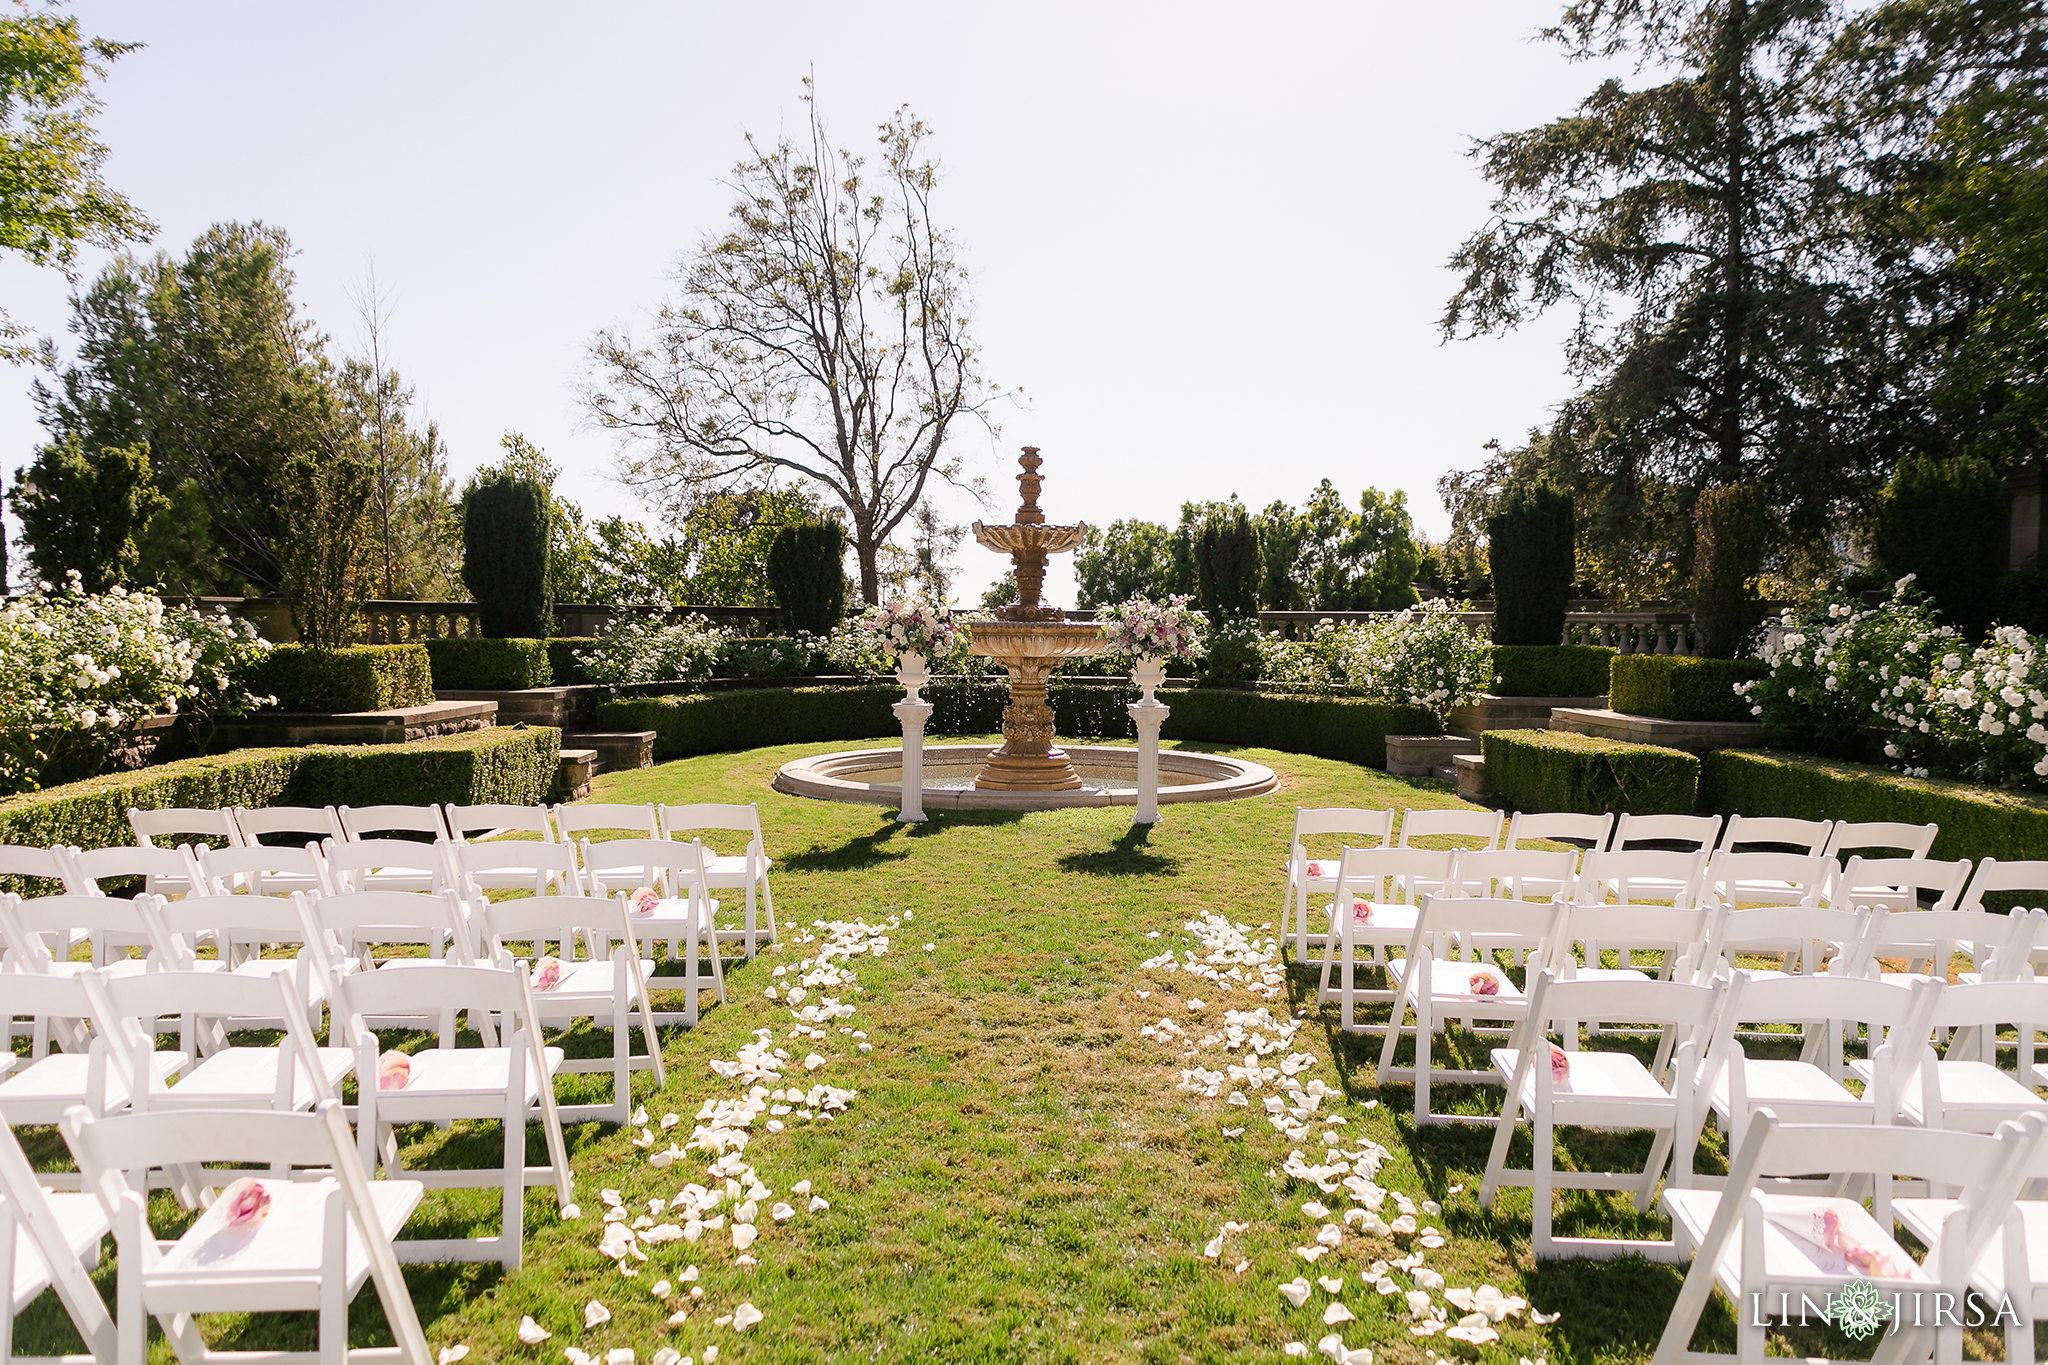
1109 777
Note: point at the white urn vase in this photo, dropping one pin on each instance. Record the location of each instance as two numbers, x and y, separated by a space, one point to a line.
1149 674
913 672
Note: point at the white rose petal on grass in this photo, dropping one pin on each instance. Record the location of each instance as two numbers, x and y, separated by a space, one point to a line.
667 1355
1425 1277
531 1333
1418 1302
818 1204
1294 1348
1241 1267
1214 1248
1542 1319
450 1354
710 1354
1478 1334
1431 1207
596 1314
743 1235
639 1116
1337 1313
931 947
688 1276
679 1317
1312 1254
611 1198
1295 1291
1330 1283
782 1213
575 1356
745 1316
1385 1285
570 1212
1330 1235
1315 1210
671 1120
801 1187
619 1355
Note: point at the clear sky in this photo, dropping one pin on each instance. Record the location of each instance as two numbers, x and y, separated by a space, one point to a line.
1207 242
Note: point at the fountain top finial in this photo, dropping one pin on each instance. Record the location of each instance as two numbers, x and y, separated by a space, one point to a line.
1028 541
1030 481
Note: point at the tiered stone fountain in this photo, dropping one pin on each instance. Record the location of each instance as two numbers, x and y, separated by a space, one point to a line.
1029 639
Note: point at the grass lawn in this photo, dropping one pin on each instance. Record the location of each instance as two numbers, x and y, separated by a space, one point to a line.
1019 1177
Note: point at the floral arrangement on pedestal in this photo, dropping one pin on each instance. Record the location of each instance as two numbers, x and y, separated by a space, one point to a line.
911 625
1149 630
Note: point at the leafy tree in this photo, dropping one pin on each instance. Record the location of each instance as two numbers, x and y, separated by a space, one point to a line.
206 362
1383 548
1731 526
83 510
826 334
1129 559
52 197
1001 593
1281 534
1229 570
505 538
1529 543
1697 225
414 531
1940 520
324 552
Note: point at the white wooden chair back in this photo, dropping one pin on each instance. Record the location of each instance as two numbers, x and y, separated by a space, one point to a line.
636 821
18 860
164 871
1571 827
41 1248
55 923
1881 836
1642 876
387 865
1775 834
677 822
264 869
198 825
1737 879
365 822
1683 935
1807 938
1516 873
668 865
516 865
464 821
362 919
1700 831
2030 877
1483 825
1900 883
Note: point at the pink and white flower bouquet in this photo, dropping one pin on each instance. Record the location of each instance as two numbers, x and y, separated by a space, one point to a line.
911 625
1148 630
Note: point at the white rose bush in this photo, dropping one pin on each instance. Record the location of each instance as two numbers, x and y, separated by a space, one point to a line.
1423 657
83 670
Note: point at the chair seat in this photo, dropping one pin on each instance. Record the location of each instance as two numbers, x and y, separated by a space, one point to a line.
246 1077
1594 1075
1450 982
82 1220
285 1243
1778 1083
670 918
1612 974
41 1091
443 1074
1968 1090
582 986
1395 919
1788 1257
1924 1217
732 870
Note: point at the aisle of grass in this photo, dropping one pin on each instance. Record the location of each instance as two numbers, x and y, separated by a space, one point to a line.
1019 1179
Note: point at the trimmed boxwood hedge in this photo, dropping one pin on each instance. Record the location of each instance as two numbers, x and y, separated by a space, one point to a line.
1554 770
1976 822
718 722
514 766
1350 729
477 663
1551 670
356 678
1679 687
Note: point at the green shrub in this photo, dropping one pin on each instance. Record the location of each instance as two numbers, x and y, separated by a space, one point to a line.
807 573
1731 527
1678 687
1552 770
505 555
1976 822
1229 566
1350 729
484 663
563 664
517 767
357 678
720 722
1551 670
1529 541
1943 521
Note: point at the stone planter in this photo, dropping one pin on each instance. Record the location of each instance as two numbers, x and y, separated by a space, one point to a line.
1427 755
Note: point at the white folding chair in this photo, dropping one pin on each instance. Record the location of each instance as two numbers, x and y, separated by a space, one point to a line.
1901 883
1692 833
2010 1271
510 1078
365 822
1775 834
1516 873
1439 986
1309 876
41 932
495 818
386 865
1374 908
42 866
1483 825
1603 1090
164 871
1739 879
100 1078
320 1241
683 917
1960 1093
49 1240
509 875
182 825
607 986
1771 1252
1738 1087
746 871
262 870
301 825
541 869
1880 836
242 926
633 822
1589 832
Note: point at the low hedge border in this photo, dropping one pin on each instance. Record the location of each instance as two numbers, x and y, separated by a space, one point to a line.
1345 728
474 663
1679 687
356 678
1551 670
566 669
1554 770
513 766
1976 822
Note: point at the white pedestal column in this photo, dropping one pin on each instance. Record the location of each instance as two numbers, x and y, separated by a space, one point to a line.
1149 714
913 711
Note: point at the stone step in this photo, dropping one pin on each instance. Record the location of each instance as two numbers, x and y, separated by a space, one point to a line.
620 749
1425 755
1693 736
1470 775
578 766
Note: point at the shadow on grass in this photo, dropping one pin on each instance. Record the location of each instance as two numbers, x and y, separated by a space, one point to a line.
1127 857
861 851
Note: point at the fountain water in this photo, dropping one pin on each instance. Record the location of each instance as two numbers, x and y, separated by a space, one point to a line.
1029 639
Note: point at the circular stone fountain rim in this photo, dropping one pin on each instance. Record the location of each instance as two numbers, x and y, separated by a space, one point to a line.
830 777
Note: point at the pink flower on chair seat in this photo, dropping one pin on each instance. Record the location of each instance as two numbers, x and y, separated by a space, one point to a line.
1483 983
547 973
1361 912
394 1071
644 901
1871 1261
246 1202
1560 1064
